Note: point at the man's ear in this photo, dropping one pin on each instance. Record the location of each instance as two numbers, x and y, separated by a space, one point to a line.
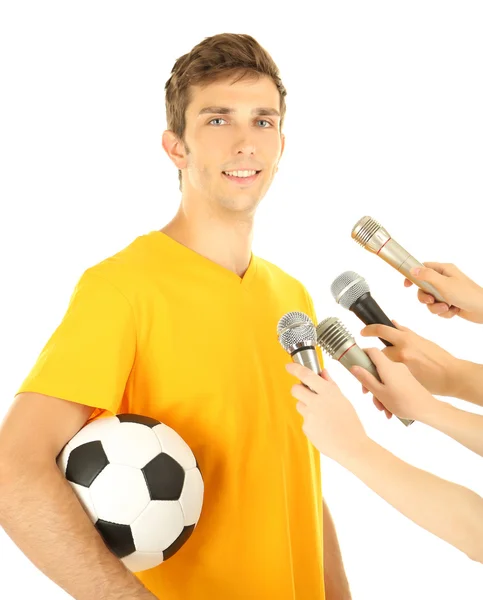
175 149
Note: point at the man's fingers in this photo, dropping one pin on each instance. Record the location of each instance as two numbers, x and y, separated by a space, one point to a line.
408 283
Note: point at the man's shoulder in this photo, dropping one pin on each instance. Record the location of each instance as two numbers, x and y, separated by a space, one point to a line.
125 265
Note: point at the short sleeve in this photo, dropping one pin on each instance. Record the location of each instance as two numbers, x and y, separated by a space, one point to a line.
90 355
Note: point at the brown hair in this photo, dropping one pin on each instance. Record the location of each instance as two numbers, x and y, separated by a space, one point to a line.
212 59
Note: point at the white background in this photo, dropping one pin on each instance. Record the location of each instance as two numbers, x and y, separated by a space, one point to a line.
384 118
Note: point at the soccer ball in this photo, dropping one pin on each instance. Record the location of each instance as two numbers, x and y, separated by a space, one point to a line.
140 484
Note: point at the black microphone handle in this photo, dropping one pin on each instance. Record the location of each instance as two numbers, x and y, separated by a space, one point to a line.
370 313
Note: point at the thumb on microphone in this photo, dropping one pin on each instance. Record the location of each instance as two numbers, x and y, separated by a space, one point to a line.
368 381
363 376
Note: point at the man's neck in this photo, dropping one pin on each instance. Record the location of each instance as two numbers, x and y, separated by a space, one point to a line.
225 241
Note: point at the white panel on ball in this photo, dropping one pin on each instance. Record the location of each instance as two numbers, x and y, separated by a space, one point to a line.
141 561
191 499
158 526
84 496
94 431
119 494
131 444
63 457
175 446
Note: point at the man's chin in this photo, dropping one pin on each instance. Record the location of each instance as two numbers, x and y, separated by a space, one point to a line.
240 205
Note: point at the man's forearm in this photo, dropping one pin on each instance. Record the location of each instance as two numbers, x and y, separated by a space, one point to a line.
41 514
464 427
335 579
467 382
446 509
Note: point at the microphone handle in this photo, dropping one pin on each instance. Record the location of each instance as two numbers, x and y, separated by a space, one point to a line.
356 356
399 258
307 357
370 313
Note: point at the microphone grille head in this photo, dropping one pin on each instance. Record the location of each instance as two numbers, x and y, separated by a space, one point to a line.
370 234
333 337
348 287
296 329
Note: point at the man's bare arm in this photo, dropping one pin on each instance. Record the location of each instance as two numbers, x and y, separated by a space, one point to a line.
41 513
335 579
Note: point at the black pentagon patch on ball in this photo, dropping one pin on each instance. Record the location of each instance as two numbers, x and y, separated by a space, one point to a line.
178 542
164 478
141 419
118 538
85 463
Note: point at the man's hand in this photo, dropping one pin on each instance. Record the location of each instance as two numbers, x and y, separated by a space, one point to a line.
330 421
433 367
464 296
398 391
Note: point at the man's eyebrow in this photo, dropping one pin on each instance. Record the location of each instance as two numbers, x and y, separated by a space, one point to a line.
225 110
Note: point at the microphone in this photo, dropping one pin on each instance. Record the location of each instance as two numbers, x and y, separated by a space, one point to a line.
296 333
351 291
373 237
335 339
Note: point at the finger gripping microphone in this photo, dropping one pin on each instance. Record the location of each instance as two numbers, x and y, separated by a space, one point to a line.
297 335
373 237
334 338
352 292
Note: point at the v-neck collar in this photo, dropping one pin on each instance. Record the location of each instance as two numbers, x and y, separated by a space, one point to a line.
208 263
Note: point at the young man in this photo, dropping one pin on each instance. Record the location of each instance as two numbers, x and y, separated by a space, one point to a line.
181 326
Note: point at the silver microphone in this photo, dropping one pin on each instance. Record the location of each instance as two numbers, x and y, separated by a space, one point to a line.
335 339
373 237
296 334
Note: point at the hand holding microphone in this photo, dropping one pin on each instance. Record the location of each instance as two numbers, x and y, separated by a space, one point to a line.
373 237
435 368
464 295
334 338
396 388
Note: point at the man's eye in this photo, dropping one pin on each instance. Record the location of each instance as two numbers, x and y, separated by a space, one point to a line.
266 123
217 121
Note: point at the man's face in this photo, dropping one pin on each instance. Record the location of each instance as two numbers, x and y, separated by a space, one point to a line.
233 141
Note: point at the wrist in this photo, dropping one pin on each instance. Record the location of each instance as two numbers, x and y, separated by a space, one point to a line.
358 453
466 380
437 413
479 311
456 373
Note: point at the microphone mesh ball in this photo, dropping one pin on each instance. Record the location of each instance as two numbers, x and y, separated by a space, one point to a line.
295 328
351 285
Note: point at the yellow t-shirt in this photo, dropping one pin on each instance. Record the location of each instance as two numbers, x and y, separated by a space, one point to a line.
159 330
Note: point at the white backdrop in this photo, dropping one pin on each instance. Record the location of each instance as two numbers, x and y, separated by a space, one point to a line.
384 118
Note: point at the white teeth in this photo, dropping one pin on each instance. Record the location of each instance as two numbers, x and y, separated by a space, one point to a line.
241 173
